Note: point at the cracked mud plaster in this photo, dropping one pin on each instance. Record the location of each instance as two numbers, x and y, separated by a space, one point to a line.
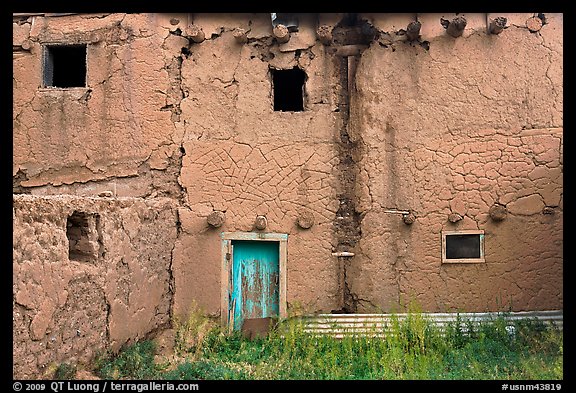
65 310
466 125
279 181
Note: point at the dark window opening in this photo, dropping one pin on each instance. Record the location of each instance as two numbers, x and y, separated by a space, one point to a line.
462 246
288 89
65 66
82 235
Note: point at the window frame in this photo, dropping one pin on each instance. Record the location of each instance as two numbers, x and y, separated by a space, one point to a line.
479 232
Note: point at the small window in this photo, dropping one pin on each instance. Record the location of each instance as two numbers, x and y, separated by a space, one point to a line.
64 66
463 246
288 89
83 239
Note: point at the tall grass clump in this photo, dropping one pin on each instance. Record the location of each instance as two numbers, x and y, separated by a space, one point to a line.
190 331
134 362
501 348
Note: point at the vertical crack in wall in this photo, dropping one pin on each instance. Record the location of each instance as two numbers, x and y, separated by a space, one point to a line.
171 278
354 36
108 312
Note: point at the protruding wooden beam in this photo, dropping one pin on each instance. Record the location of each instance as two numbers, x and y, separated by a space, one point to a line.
497 212
324 34
305 220
240 35
261 222
454 28
534 24
497 25
454 217
195 33
281 33
413 30
408 218
216 219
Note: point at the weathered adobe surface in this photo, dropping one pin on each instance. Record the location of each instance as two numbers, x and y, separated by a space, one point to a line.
467 124
439 126
118 134
245 159
69 310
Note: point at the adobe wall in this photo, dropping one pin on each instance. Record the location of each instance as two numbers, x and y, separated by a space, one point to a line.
439 126
245 159
444 126
457 127
69 309
116 135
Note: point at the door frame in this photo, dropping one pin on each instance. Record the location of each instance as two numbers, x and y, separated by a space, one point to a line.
226 276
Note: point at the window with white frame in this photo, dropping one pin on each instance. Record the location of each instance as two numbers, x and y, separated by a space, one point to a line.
465 246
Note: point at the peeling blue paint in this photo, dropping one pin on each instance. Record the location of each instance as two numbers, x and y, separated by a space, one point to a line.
255 283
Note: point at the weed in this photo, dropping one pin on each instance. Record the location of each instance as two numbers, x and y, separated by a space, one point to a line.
134 362
191 331
65 371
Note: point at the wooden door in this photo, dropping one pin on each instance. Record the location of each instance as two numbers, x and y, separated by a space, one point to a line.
255 280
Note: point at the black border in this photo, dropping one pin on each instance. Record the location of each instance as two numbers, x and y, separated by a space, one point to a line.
452 6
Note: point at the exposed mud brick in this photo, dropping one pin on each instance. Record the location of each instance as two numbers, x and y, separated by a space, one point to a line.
68 307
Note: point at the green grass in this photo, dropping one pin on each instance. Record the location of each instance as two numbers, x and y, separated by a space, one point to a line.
413 349
134 362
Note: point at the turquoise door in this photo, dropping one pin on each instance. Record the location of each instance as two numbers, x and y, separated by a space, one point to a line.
255 280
